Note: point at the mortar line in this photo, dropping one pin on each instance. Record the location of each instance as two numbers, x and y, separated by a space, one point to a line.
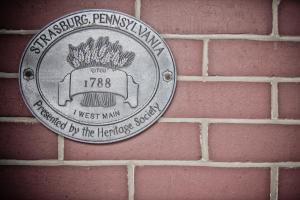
130 177
199 163
137 8
188 36
231 121
205 58
19 119
237 79
209 78
187 120
204 141
274 100
17 32
8 75
232 37
61 147
274 183
275 4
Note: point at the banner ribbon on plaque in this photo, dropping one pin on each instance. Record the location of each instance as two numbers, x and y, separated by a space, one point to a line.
98 79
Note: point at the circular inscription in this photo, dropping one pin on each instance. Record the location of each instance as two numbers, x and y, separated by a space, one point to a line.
97 76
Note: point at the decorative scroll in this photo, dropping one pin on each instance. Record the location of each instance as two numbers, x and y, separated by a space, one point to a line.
98 80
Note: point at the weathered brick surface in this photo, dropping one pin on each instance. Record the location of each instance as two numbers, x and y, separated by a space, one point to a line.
60 182
289 100
27 141
178 141
190 16
289 182
254 58
221 100
289 17
170 141
12 102
200 182
11 49
256 143
187 55
36 14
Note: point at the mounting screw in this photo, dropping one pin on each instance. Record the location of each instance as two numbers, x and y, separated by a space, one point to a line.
28 74
167 76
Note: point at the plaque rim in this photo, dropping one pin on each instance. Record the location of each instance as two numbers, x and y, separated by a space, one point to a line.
148 125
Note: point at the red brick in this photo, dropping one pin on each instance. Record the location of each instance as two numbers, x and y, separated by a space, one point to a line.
27 182
289 17
27 141
254 58
289 100
36 14
187 55
173 141
259 143
190 16
12 102
221 100
201 182
289 182
11 49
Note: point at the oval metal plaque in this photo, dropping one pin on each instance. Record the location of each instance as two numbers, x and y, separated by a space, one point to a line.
97 76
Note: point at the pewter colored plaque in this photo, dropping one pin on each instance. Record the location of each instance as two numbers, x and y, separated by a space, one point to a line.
97 76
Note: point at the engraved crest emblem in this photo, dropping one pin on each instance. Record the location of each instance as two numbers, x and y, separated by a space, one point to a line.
96 64
97 76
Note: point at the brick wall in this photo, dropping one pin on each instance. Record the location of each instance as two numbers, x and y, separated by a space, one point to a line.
231 132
